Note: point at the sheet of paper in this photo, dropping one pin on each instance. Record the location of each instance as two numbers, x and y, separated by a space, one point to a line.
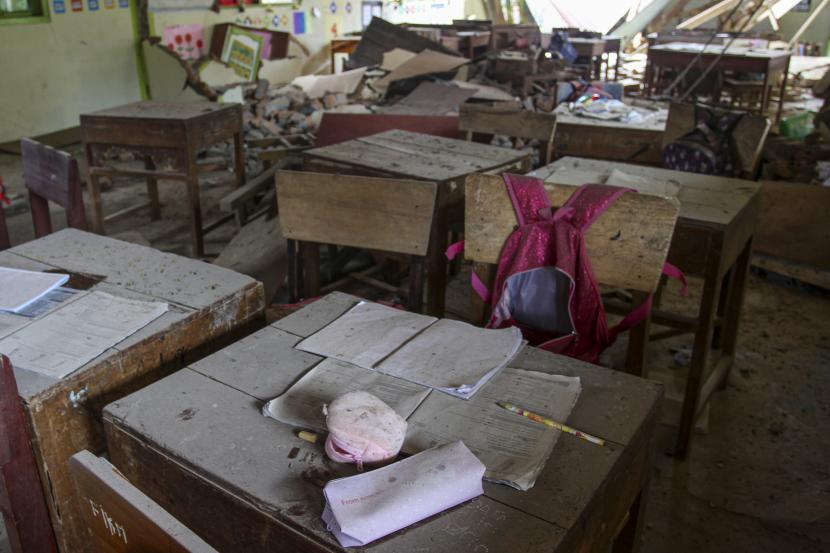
644 185
513 448
365 334
71 336
454 357
302 404
20 288
361 509
48 302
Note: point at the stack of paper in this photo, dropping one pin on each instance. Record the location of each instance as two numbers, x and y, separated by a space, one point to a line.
361 509
19 288
450 356
69 337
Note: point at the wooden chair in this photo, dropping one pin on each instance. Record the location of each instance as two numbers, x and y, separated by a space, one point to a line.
23 506
510 119
381 214
627 245
52 175
748 136
121 519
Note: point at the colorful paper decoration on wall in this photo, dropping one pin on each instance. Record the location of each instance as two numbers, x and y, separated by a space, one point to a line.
334 24
77 5
109 4
93 5
123 3
299 23
348 7
58 6
187 41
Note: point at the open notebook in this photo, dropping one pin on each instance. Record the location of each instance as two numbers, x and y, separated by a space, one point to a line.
453 357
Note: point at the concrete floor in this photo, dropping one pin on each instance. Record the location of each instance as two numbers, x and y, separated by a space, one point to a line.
758 481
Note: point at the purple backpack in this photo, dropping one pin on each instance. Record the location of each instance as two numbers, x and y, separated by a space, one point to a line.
544 283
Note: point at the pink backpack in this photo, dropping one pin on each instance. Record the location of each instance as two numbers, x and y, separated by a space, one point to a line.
544 283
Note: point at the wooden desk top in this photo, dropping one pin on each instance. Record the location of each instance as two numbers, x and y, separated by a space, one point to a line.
415 155
704 199
716 49
167 111
656 124
132 271
204 424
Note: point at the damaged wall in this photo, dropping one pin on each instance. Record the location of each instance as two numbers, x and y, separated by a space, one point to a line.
818 31
318 31
52 72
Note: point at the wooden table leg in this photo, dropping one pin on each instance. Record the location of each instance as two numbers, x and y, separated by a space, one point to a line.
94 191
783 92
638 337
765 94
152 188
239 158
196 235
311 269
416 284
617 65
437 260
732 313
293 276
700 354
22 504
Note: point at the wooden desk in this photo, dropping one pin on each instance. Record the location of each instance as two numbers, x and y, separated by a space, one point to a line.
712 239
773 64
169 131
209 306
342 45
609 140
591 48
198 445
412 155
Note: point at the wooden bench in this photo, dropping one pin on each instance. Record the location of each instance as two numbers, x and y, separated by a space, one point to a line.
627 246
509 119
386 215
120 518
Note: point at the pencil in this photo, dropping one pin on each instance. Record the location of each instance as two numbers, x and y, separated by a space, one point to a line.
549 422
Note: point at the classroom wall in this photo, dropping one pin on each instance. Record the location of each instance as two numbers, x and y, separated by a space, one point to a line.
52 72
319 30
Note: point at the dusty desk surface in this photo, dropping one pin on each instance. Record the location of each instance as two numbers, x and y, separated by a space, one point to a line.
704 199
417 155
206 303
198 444
716 49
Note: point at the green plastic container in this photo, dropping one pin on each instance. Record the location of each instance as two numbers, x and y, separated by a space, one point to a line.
797 126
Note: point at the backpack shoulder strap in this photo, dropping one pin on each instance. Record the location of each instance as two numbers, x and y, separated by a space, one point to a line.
590 201
529 199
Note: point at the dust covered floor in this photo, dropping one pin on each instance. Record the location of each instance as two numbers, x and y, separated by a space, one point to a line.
758 481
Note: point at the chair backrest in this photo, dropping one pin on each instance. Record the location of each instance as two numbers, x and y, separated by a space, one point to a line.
25 513
509 119
627 246
52 176
391 215
121 519
748 136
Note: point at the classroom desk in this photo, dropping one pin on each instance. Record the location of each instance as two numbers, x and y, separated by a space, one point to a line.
713 239
772 64
613 45
593 49
169 131
610 140
413 155
198 444
342 45
209 306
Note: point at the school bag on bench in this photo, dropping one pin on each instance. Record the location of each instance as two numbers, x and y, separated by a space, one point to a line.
544 283
707 149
